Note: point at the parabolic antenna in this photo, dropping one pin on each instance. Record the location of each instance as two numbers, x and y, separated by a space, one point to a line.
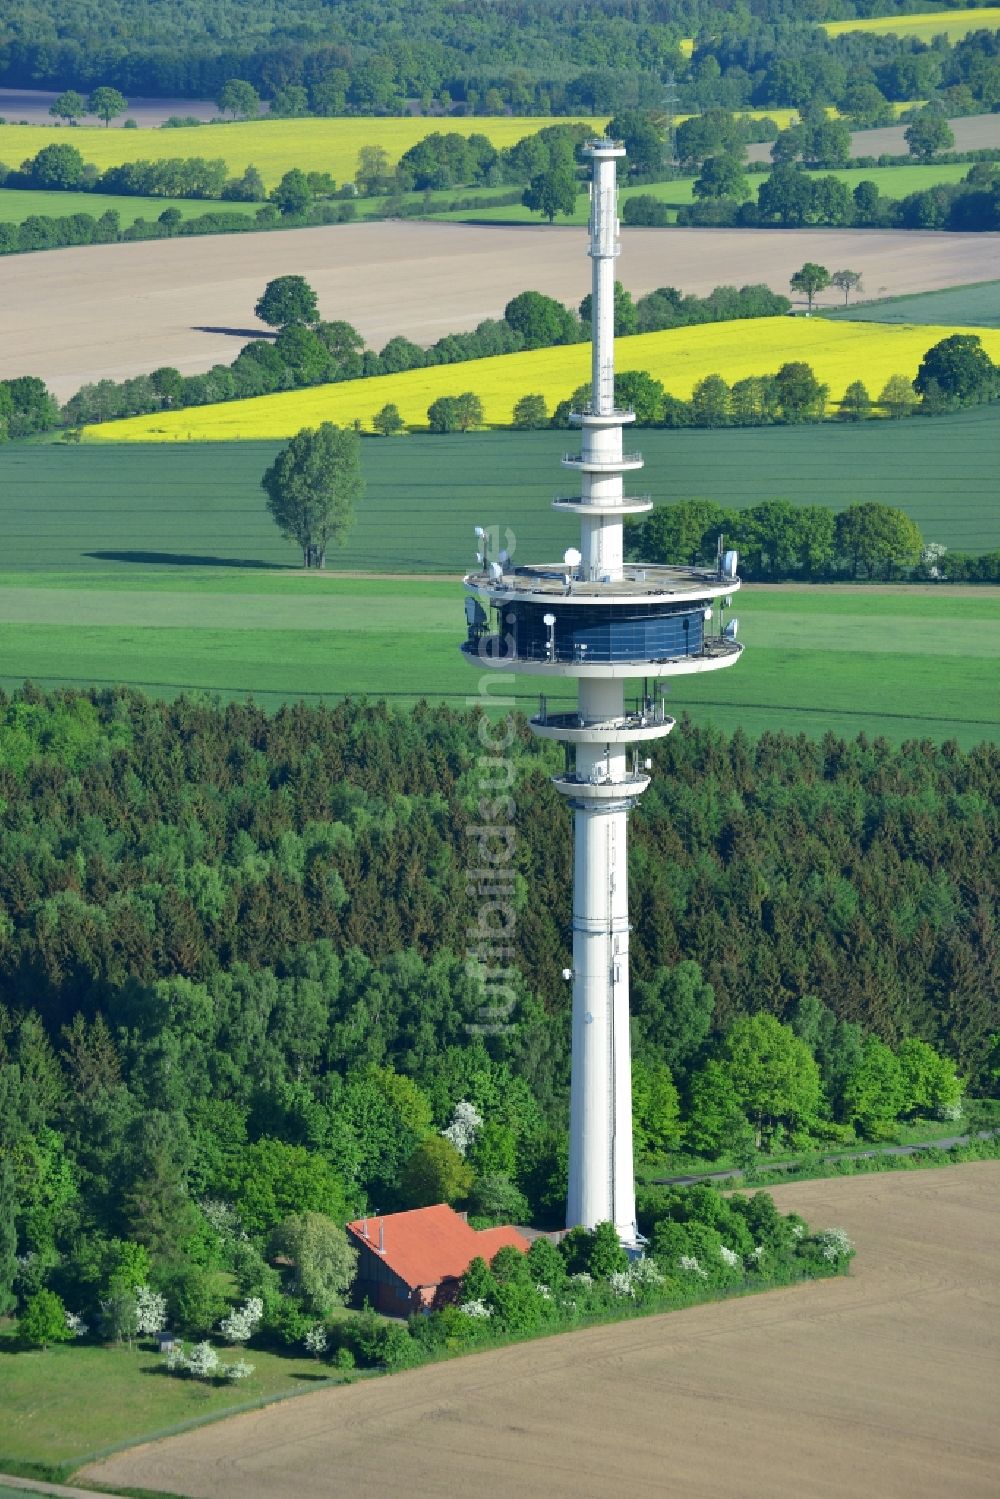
731 629
729 562
548 619
572 557
708 612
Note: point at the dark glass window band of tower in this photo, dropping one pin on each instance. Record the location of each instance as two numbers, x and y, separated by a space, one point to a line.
606 623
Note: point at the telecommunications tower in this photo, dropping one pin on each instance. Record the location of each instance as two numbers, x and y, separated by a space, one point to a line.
602 622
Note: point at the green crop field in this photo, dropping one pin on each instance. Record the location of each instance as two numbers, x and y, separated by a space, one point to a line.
17 205
159 568
976 306
951 23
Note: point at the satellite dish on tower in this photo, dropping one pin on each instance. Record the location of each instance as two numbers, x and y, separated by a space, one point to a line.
572 557
496 571
504 558
729 562
708 612
731 628
548 619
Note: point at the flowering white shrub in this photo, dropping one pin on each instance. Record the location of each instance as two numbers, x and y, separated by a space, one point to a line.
177 1359
243 1321
645 1273
202 1361
316 1340
689 1263
834 1244
620 1282
476 1308
582 1278
76 1325
730 1257
758 1252
798 1230
223 1218
466 1122
239 1369
544 1291
950 1110
150 1311
931 556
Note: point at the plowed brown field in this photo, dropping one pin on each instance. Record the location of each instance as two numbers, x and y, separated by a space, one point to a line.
881 1384
79 315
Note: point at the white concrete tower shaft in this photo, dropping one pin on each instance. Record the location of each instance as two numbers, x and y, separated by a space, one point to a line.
601 1173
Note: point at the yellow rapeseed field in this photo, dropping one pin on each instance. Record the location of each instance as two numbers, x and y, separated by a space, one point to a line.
272 146
838 352
952 23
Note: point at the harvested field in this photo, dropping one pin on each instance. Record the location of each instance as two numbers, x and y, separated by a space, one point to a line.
121 310
881 1383
971 132
32 105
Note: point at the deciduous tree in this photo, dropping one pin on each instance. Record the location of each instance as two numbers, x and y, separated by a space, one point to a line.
312 487
239 98
106 103
810 279
287 299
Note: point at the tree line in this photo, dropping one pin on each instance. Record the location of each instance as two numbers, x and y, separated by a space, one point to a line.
236 994
511 58
311 351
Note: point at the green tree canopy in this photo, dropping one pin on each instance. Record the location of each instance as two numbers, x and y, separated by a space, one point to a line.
810 279
43 1321
239 98
877 538
69 106
928 134
540 320
287 299
959 369
293 193
435 1172
106 103
722 177
552 192
774 1076
312 487
324 1259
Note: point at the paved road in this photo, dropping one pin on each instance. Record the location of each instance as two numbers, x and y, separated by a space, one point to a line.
846 1155
11 1484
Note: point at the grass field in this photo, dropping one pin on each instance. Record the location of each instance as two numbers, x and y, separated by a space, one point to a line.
951 23
959 306
95 1398
839 352
160 568
16 206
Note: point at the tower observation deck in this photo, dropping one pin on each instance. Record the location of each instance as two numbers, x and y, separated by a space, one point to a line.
604 622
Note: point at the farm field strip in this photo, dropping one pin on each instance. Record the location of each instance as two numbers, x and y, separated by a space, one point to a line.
17 204
951 23
272 146
145 510
972 307
86 314
881 1382
898 664
839 352
892 182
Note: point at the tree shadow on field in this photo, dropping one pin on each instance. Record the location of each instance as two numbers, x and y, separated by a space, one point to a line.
236 332
189 559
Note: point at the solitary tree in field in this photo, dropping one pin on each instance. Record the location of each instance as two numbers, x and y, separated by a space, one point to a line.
856 403
43 1321
928 134
69 106
239 98
107 104
388 421
287 300
810 279
551 192
846 281
311 488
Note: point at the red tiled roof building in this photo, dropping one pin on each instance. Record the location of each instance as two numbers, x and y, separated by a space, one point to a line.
409 1262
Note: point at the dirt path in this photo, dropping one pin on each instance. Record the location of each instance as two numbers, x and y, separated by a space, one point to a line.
882 1384
112 311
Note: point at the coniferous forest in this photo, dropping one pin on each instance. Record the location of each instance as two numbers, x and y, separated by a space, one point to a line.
234 955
